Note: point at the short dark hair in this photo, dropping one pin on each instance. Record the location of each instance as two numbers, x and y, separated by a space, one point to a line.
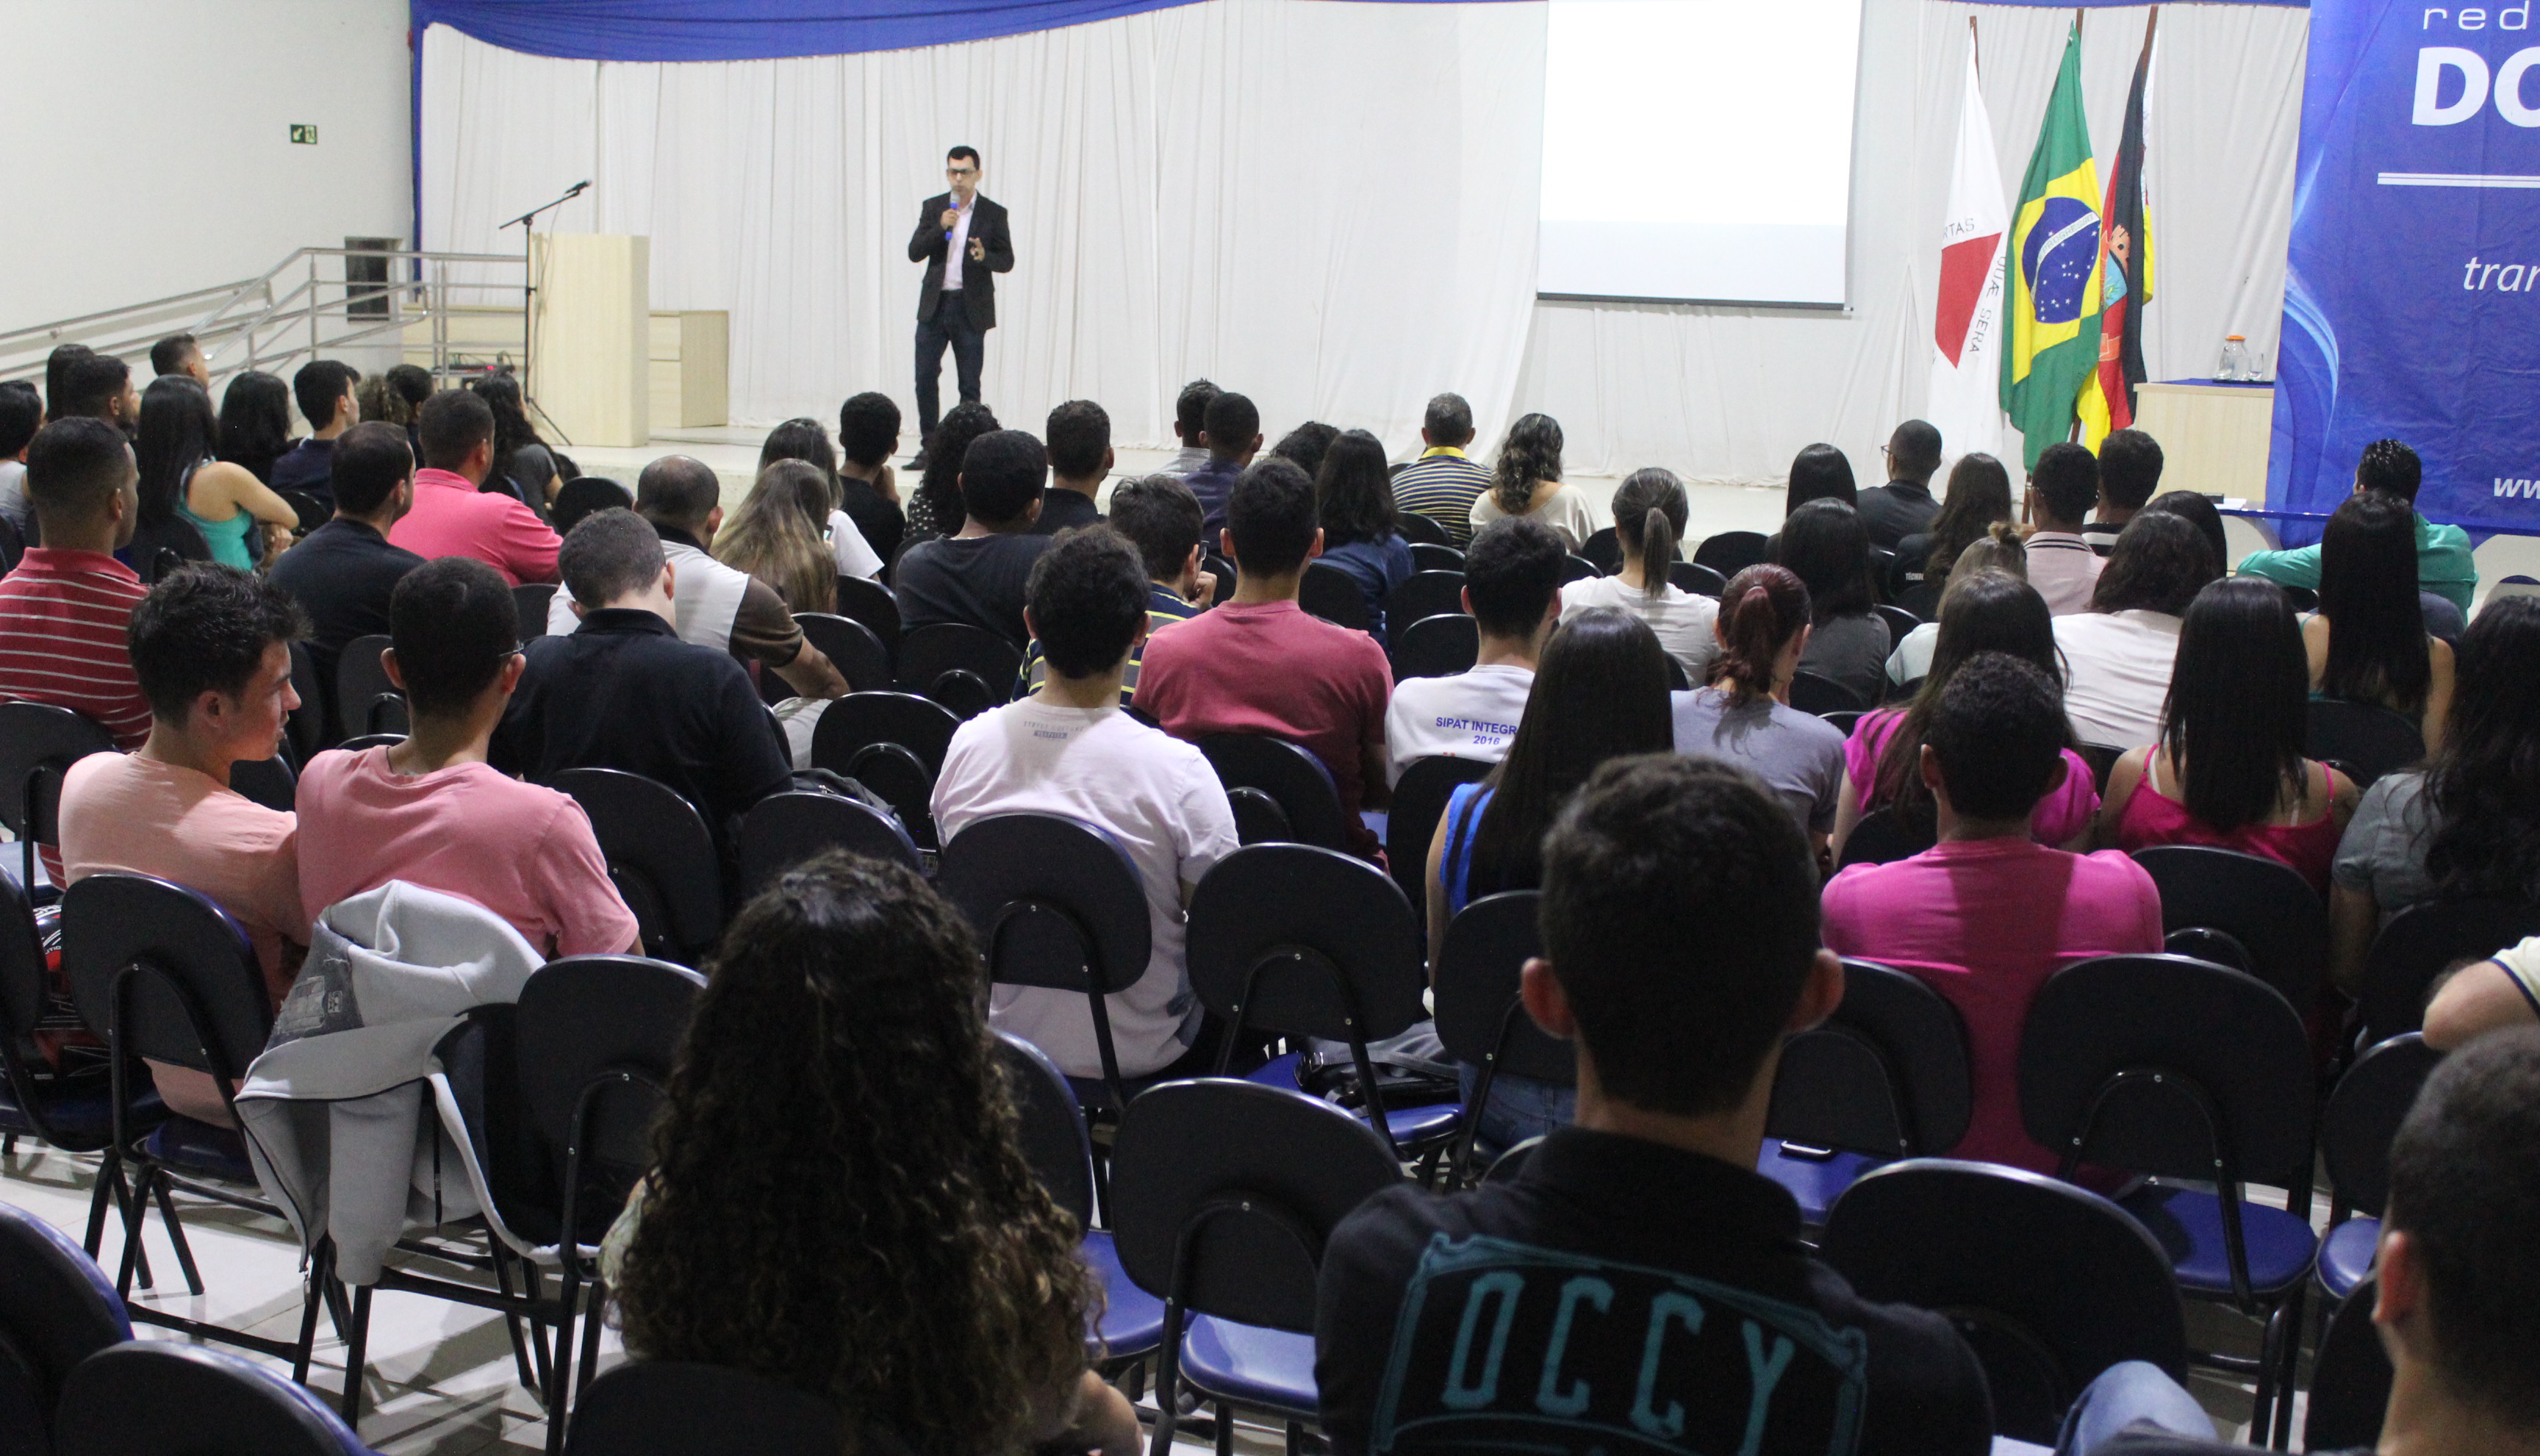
957 153
1310 441
74 466
678 491
453 625
2465 1188
1002 474
1512 571
1162 519
22 414
1678 1023
1088 594
2129 468
1231 423
318 386
168 356
1998 731
1190 410
411 382
1914 449
2160 561
1448 419
451 425
205 628
1079 432
57 377
1826 544
2390 465
93 385
1271 515
607 554
368 462
2067 479
868 429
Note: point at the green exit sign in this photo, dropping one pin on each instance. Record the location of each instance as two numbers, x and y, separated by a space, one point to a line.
305 136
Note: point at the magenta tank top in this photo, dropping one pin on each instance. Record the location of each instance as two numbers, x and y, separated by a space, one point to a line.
2152 817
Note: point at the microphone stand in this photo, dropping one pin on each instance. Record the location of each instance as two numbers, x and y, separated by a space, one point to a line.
528 224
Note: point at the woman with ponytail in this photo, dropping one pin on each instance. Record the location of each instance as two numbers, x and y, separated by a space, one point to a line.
1650 514
1744 716
1527 482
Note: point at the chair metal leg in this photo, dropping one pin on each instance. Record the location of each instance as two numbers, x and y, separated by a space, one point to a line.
511 1322
357 1355
2267 1394
134 1205
1168 1371
110 1176
560 1372
322 1267
595 1303
1224 1430
177 1236
2289 1359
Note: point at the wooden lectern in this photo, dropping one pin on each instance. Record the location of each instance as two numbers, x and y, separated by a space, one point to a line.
592 332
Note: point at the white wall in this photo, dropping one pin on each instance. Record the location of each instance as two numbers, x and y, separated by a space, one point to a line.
147 143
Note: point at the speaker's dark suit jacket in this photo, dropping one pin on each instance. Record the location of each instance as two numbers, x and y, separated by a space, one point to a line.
978 275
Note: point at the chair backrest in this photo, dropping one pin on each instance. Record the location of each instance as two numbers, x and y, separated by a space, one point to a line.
1604 549
23 980
933 660
158 1395
2167 1066
660 856
783 830
2364 1113
893 744
38 742
1885 1075
1425 594
1419 529
268 782
593 1037
1844 723
1050 1126
2366 739
167 970
1224 571
2264 904
583 496
2050 1283
1305 941
850 645
1056 902
57 1309
2416 946
1334 595
310 725
1730 552
1899 621
862 600
366 702
1579 569
368 742
1695 578
1224 1193
2350 1378
1281 793
1431 556
657 1408
13 545
1810 693
1881 838
1419 802
530 601
1479 1017
1441 646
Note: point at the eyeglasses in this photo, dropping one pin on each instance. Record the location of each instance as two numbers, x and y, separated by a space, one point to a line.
960 170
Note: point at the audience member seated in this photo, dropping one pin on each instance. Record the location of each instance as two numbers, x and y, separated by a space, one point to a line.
775 537
1490 838
1158 517
65 611
1070 749
841 539
22 414
1979 500
2118 655
1232 434
1355 504
1903 507
1746 715
100 386
977 576
212 646
431 810
1988 914
1190 428
2467 826
2382 655
1823 546
2457 1283
1305 446
181 354
622 691
256 421
324 390
868 486
1079 460
1819 472
1526 481
2130 464
2444 563
57 379
1259 664
1984 611
2485 996
1650 517
523 467
450 516
1512 588
838 1174
2061 565
1444 482
1582 1263
2228 770
343 573
936 507
226 508
393 397
1998 551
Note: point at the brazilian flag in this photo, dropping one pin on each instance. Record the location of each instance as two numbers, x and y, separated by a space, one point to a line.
2055 277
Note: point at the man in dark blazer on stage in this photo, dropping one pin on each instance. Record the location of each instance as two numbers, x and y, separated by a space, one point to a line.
956 306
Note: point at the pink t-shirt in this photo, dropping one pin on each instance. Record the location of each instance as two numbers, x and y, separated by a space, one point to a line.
1984 922
523 852
452 518
2062 811
135 815
1272 670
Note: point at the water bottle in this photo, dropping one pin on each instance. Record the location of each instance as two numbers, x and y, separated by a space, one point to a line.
2234 367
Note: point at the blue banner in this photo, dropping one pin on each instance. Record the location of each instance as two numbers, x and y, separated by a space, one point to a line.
2412 293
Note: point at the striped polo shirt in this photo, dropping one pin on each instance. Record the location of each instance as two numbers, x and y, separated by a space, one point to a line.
64 616
1165 608
1441 485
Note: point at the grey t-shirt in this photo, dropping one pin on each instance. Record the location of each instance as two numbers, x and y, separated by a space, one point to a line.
1799 755
1851 651
2383 849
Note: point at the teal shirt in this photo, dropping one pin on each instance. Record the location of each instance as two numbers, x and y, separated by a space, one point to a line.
227 539
2444 563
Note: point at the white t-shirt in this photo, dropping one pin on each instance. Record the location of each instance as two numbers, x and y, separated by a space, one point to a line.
855 554
2063 569
1681 620
1473 714
2117 667
1154 794
1913 656
13 494
1566 511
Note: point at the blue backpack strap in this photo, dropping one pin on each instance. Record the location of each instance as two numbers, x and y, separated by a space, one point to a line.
1463 814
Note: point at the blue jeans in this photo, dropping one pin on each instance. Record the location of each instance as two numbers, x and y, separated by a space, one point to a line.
2125 1393
1520 1107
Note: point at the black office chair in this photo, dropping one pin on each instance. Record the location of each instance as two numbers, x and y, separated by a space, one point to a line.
1436 647
1334 595
39 743
1480 1019
1883 838
1419 802
853 647
1900 622
1579 569
1843 723
57 1309
784 830
2263 904
1603 549
366 702
368 742
311 728
1885 1078
530 602
862 600
1420 530
1432 556
1224 571
1811 693
2050 1283
159 1395
1049 1122
1280 793
661 857
2419 943
1223 1194
669 1408
968 669
268 782
1731 551
1423 595
2350 1378
891 744
586 495
2362 1115
1697 578
2366 739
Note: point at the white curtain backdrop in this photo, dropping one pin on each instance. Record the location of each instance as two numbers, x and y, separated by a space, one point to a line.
1331 208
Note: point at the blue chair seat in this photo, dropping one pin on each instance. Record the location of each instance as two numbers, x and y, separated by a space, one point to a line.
1816 1182
1132 1320
2189 1225
81 1111
2346 1255
1268 1369
1412 1126
201 1151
